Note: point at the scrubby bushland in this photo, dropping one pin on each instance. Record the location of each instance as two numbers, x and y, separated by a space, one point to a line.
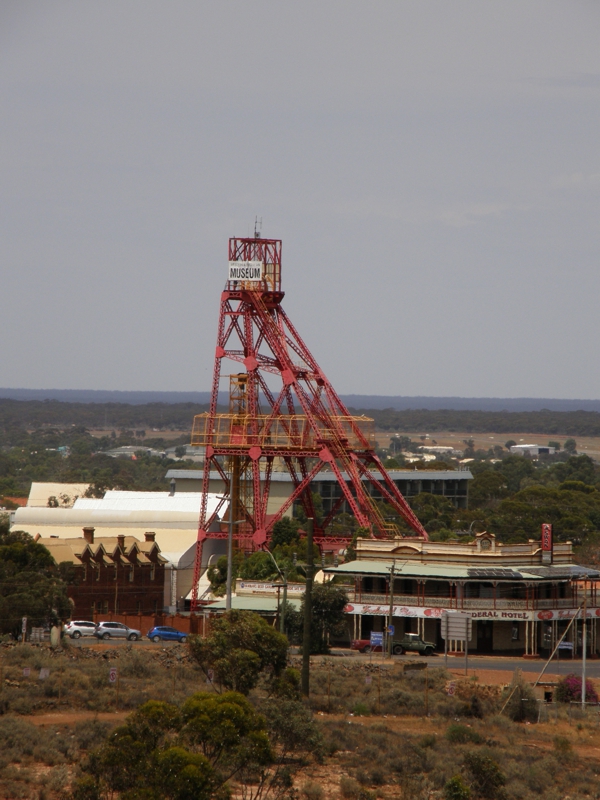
211 745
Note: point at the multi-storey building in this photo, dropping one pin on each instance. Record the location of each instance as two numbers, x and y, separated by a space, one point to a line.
452 484
520 601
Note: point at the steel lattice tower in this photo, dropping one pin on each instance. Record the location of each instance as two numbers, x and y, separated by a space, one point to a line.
303 422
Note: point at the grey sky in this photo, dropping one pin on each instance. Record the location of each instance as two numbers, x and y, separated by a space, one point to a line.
432 168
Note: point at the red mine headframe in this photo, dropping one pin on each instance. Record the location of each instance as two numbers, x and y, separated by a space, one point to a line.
300 421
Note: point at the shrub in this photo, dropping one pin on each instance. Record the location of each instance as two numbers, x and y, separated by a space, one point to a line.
521 703
350 789
486 776
312 791
456 789
461 734
569 690
562 745
429 740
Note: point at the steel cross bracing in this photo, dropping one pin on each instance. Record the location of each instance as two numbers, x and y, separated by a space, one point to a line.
303 423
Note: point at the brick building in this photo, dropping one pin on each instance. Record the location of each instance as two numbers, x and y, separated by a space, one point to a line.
118 574
519 602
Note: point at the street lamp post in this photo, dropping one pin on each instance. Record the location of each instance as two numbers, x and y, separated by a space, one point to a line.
283 575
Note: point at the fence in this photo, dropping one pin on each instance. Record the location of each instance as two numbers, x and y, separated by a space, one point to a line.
144 622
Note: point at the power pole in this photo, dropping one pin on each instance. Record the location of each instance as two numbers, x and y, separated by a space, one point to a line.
391 616
584 643
307 610
282 608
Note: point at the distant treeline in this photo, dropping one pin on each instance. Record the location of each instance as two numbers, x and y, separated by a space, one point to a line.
560 423
34 414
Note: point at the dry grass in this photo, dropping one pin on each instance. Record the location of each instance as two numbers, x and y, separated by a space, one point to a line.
381 743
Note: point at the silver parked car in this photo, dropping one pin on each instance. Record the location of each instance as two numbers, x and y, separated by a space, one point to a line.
110 630
78 628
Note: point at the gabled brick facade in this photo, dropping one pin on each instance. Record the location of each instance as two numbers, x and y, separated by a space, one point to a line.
118 574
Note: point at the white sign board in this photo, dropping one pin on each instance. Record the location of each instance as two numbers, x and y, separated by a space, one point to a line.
457 626
112 675
246 270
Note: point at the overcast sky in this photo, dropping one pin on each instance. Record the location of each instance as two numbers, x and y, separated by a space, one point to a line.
433 169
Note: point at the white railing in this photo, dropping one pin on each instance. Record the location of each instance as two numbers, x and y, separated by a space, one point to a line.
501 603
562 602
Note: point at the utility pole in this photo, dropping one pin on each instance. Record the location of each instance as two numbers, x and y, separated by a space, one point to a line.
284 583
391 617
282 611
229 550
584 644
307 609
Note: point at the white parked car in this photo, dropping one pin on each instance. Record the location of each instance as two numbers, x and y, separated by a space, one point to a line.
116 630
78 628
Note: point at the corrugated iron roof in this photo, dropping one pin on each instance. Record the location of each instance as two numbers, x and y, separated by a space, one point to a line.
463 571
284 477
267 605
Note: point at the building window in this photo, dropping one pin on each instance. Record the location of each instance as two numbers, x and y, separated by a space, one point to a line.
138 607
98 572
105 606
515 632
130 574
116 572
85 572
152 571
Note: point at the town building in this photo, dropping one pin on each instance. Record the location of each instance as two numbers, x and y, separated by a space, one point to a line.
520 600
111 574
452 484
171 516
533 450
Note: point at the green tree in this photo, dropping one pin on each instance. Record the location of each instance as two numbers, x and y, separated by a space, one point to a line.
514 469
392 463
456 789
434 511
30 584
570 446
187 754
555 445
239 649
399 443
510 443
487 487
192 752
285 532
328 618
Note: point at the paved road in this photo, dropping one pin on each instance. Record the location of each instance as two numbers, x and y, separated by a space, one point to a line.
90 641
500 663
503 664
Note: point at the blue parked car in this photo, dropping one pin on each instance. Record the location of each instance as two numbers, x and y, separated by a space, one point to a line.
166 633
